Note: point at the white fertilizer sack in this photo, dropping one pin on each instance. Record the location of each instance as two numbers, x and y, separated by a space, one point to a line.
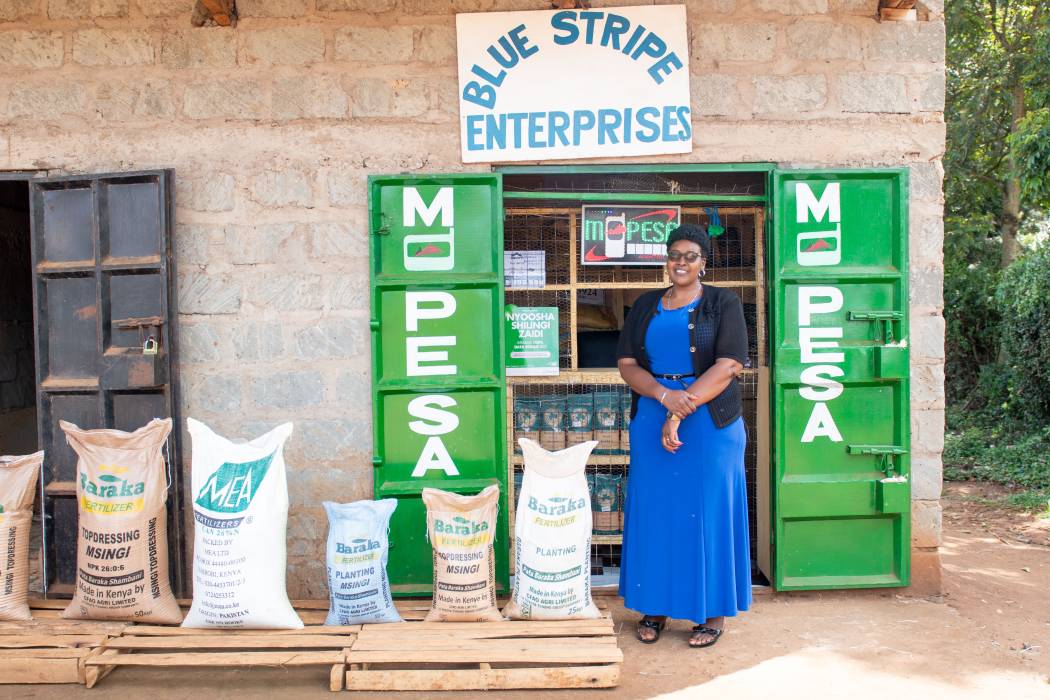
240 505
358 548
552 537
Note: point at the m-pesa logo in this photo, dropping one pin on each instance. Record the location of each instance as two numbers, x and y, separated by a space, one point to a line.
818 247
429 251
818 340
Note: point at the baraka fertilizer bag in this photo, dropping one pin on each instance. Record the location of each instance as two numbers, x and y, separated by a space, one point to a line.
461 531
240 505
358 548
18 477
552 537
122 532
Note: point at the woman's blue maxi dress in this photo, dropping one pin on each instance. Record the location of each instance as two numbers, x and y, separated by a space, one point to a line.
685 542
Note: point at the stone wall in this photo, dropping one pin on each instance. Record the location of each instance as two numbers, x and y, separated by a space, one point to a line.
272 128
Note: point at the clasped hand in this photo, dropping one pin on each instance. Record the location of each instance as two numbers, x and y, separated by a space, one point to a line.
680 402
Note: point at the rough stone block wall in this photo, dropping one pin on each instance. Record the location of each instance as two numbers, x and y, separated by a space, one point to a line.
272 128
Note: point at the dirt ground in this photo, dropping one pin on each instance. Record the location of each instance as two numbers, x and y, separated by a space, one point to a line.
988 636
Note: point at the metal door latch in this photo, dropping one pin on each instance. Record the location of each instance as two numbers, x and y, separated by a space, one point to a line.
883 321
885 454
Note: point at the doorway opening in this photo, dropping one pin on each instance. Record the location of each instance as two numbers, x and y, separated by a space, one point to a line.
544 210
18 433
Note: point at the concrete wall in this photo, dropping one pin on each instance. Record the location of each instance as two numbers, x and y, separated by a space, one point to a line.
272 128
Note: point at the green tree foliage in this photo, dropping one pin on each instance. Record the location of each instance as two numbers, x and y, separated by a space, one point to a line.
998 73
997 290
1024 295
997 168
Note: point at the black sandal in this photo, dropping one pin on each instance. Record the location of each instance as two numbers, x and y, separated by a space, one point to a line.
651 623
703 629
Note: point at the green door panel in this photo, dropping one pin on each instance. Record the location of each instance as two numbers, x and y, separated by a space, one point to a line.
426 245
432 322
438 381
442 438
839 310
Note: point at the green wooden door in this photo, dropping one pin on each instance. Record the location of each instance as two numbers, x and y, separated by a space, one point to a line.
439 391
839 326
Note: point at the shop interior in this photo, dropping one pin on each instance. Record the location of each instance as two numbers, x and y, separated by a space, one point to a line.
543 212
18 433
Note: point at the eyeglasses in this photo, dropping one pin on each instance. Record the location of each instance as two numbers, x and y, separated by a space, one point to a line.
690 257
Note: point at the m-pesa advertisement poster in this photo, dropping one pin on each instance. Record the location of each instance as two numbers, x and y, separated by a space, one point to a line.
627 234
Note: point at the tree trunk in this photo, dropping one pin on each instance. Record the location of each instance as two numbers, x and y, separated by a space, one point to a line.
1011 220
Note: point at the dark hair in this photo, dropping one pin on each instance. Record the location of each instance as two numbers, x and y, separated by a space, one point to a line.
694 234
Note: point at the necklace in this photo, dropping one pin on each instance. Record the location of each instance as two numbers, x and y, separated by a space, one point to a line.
670 294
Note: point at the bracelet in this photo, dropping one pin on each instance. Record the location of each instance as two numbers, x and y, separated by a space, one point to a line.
662 397
672 416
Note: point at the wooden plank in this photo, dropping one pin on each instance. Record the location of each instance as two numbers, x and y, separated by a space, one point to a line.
337 676
486 679
23 641
162 631
36 670
453 645
504 625
240 658
6 654
493 653
92 673
221 641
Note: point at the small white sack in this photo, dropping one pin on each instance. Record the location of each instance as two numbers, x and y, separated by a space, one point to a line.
358 549
552 537
240 505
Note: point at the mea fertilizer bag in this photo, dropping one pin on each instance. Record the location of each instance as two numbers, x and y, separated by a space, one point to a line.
358 549
461 531
18 477
552 537
122 531
240 505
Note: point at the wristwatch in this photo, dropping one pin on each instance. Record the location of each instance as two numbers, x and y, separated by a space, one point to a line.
671 415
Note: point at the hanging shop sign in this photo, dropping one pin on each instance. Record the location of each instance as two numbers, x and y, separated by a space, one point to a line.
573 84
439 387
616 234
532 340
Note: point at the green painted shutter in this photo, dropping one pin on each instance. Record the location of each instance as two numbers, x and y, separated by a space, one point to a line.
439 391
839 324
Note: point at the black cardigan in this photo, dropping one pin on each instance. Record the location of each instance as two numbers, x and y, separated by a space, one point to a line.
717 329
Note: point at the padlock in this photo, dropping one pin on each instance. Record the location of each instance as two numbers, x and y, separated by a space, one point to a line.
150 347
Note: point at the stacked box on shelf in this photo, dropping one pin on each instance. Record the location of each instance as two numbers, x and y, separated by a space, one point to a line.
607 422
552 422
580 419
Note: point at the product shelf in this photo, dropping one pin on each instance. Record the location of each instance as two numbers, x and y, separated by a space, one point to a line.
553 227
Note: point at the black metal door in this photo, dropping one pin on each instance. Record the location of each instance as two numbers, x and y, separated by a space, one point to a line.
105 335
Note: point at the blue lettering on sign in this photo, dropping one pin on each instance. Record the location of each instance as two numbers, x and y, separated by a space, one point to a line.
613 125
592 27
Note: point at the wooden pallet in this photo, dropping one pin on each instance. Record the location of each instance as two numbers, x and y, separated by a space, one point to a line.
51 650
413 655
155 645
485 655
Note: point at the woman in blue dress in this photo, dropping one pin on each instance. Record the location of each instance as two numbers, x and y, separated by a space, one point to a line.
685 542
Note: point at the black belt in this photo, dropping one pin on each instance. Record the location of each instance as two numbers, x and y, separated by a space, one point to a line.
674 377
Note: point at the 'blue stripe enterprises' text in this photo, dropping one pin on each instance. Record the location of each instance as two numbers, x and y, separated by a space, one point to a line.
487 132
557 129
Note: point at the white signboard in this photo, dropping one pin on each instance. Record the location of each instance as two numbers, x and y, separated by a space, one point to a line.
573 83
